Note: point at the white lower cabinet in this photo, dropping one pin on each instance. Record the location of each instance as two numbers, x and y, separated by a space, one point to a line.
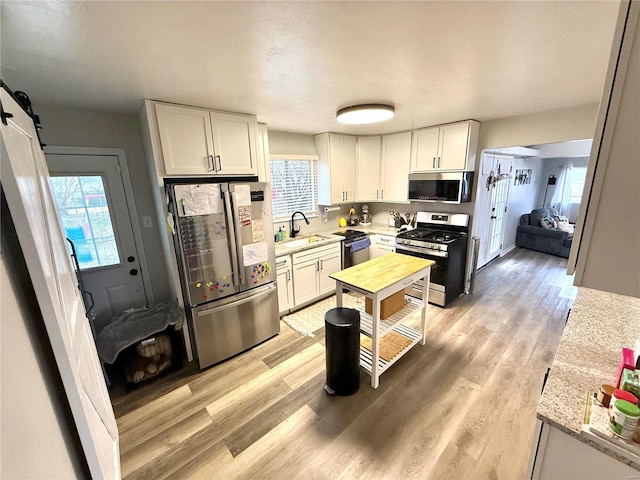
556 454
311 270
285 284
382 244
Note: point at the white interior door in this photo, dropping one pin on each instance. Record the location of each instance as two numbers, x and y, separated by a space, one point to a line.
25 181
93 210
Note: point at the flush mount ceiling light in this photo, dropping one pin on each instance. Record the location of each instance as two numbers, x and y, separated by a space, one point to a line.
369 113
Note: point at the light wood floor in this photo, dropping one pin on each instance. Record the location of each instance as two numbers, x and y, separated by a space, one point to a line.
463 406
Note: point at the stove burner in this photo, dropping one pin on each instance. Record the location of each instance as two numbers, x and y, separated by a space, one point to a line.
429 235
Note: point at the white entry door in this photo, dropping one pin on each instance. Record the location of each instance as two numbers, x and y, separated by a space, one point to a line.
499 197
25 182
93 210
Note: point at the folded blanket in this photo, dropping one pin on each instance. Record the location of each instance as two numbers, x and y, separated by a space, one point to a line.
136 324
358 245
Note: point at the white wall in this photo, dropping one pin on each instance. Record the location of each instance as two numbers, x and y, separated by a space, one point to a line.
38 438
83 128
289 143
522 198
573 148
574 123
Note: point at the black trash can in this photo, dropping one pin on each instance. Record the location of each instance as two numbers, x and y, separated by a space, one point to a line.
342 340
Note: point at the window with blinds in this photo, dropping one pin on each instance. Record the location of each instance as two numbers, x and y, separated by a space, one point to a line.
578 177
294 185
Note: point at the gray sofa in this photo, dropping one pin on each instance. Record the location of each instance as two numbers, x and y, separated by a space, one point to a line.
531 234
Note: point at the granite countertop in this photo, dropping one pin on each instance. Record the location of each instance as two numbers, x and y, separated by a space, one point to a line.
600 324
319 239
326 237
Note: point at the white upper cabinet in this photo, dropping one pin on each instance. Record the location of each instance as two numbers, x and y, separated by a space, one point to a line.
451 147
368 162
196 141
234 142
186 139
336 168
262 141
382 168
394 174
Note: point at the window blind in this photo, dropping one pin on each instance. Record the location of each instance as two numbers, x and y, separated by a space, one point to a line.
294 186
578 177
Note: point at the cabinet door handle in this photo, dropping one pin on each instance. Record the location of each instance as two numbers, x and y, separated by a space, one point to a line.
438 162
219 163
212 165
433 164
288 276
377 194
321 265
317 265
382 194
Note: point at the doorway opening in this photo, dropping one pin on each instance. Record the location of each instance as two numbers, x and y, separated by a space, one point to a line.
515 181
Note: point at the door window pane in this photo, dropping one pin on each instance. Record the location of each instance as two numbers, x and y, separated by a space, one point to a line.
84 214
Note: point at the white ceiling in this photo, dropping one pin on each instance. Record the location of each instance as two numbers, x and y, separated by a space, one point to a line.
295 63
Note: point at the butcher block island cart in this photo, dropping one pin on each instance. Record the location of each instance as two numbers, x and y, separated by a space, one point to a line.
379 279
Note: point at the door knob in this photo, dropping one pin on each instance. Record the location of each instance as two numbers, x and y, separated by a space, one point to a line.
131 259
133 272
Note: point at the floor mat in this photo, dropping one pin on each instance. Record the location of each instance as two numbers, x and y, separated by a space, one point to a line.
311 318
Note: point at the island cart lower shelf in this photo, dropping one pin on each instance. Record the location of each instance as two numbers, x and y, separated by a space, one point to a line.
378 279
366 356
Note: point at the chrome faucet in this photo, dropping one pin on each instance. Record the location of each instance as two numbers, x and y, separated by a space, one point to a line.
294 232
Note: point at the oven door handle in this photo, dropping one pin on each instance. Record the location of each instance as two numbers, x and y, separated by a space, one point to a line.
427 253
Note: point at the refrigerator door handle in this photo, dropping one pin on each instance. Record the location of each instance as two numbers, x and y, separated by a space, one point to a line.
237 239
237 278
247 299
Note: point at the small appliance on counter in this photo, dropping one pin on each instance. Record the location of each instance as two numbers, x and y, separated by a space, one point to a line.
353 218
365 218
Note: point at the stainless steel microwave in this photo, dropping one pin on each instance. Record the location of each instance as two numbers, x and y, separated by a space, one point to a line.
446 187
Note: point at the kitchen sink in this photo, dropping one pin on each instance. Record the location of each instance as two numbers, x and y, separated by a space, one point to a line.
301 242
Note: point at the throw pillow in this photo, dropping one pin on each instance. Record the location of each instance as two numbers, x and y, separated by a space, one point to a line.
536 216
548 222
562 223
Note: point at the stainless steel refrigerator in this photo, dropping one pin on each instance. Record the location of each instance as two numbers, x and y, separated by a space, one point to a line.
226 259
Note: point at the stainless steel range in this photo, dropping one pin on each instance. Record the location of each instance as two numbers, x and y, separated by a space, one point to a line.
441 237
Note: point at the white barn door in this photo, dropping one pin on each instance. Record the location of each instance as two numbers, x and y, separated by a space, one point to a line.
25 181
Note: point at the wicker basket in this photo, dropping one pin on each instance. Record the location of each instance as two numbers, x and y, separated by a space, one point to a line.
153 355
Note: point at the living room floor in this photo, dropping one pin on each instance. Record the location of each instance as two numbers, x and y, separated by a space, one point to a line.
462 406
